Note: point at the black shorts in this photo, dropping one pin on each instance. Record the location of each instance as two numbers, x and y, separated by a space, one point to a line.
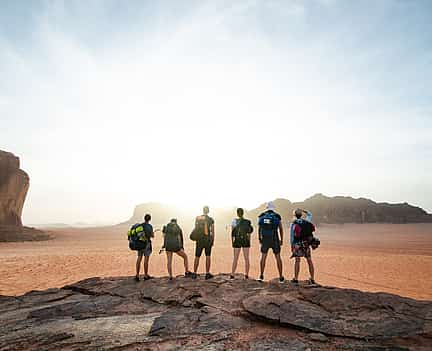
241 241
270 243
203 245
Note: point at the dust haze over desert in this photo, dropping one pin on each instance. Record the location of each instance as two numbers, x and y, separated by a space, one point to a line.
110 110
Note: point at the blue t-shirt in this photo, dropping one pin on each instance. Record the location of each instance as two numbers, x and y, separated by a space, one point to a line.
148 230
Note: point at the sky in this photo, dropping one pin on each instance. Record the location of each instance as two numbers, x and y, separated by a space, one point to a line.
227 103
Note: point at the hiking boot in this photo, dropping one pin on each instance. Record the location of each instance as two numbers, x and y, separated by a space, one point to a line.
208 276
137 278
281 279
246 276
194 275
188 274
294 281
261 278
312 282
231 276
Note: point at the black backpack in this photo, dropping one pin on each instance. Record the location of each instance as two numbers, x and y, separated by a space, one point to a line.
307 229
243 228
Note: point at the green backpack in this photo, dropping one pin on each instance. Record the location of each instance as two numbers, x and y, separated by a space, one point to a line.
136 237
173 234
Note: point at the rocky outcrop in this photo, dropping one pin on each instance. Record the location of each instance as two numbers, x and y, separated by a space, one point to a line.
14 184
218 314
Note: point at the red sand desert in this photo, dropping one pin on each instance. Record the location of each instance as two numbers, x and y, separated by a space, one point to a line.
394 258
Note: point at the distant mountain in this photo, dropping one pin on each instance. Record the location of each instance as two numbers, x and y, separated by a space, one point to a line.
345 209
337 209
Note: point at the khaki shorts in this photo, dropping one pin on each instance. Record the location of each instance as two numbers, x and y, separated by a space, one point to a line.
147 251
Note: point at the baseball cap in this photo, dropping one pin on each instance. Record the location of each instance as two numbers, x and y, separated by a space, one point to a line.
270 206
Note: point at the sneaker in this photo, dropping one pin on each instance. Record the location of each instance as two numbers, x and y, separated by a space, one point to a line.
188 274
312 282
261 278
194 275
281 279
231 276
137 278
208 276
147 277
246 276
294 281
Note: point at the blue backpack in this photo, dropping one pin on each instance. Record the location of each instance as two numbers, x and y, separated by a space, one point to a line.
268 223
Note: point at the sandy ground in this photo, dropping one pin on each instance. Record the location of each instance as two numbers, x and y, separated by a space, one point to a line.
373 257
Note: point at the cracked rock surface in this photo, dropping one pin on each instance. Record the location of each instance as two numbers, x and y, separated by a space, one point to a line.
218 314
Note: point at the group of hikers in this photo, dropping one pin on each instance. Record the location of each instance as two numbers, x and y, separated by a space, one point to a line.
270 235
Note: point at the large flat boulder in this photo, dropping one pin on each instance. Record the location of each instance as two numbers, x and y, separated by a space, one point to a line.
217 314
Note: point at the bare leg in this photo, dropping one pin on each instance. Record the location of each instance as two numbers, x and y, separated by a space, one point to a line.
279 264
296 268
182 254
235 260
196 264
311 268
169 263
263 262
146 265
246 259
208 263
138 265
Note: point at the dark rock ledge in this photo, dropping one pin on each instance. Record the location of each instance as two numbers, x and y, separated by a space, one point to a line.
219 314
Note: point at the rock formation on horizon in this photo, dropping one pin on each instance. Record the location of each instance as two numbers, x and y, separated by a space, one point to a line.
14 184
345 209
218 314
331 210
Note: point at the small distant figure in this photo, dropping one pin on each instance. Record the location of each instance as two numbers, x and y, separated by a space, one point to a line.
147 250
173 242
270 227
301 233
204 235
240 235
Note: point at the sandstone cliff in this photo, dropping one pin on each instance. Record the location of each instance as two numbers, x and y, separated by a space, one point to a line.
218 314
14 184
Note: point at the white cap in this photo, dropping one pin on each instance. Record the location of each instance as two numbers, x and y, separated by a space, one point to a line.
270 206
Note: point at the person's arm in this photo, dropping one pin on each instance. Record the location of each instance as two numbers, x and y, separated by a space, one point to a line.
281 232
292 234
308 215
213 232
181 237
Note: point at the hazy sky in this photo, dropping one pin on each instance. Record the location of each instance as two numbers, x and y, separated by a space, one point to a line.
113 103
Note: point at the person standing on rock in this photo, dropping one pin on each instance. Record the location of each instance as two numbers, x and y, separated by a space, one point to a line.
146 252
240 235
300 231
270 227
205 232
173 243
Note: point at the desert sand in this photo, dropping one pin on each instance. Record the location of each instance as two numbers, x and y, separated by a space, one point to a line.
394 258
